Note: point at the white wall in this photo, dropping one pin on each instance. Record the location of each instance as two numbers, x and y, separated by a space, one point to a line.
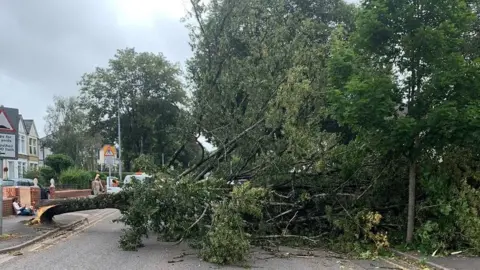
15 168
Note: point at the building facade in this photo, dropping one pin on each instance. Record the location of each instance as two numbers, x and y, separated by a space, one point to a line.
16 168
32 144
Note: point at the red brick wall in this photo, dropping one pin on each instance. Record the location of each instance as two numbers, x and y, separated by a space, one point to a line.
7 207
9 192
35 195
61 194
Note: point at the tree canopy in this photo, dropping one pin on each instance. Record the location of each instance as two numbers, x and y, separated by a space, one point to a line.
354 124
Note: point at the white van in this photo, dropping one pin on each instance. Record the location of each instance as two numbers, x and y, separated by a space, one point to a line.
139 176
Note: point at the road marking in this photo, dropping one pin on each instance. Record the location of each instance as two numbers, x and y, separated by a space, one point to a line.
61 236
66 235
78 214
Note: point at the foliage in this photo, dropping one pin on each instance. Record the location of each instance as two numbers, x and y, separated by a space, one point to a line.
152 101
392 80
326 107
46 173
75 177
59 162
67 133
144 163
449 215
31 174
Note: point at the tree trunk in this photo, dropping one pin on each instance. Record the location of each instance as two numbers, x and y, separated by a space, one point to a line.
62 206
412 178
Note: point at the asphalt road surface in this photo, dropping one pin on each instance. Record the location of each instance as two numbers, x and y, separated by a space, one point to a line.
95 246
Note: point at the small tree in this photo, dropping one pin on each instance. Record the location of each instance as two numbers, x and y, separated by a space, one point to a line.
59 162
406 83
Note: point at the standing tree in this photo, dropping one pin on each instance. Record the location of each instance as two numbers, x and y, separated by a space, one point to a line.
406 82
259 71
67 131
151 103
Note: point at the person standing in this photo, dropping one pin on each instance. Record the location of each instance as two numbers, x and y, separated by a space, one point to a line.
97 186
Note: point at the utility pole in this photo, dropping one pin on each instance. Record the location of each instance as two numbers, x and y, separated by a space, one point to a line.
119 141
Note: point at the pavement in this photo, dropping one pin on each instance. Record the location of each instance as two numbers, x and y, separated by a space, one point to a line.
16 232
95 246
452 262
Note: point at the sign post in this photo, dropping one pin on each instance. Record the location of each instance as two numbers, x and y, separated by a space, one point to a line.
8 145
109 153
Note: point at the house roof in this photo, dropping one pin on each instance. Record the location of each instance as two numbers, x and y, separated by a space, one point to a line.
22 122
28 125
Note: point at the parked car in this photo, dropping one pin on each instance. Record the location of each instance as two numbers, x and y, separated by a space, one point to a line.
26 182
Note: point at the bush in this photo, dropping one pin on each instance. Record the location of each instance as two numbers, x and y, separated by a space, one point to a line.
59 162
46 173
75 178
30 174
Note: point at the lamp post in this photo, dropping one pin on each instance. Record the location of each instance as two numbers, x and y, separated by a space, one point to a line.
119 140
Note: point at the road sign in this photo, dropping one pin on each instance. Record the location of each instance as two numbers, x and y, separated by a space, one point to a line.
109 151
109 160
8 133
109 154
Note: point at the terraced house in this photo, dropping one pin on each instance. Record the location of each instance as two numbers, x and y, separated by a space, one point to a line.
16 168
32 144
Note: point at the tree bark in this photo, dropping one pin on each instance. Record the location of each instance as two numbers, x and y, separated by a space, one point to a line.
175 155
412 179
62 206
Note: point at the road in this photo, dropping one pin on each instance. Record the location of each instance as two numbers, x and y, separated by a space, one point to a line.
95 246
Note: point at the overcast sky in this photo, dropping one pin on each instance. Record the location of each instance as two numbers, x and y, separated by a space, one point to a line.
46 45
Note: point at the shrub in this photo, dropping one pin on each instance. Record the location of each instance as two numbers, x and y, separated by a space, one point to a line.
59 162
30 174
75 178
45 174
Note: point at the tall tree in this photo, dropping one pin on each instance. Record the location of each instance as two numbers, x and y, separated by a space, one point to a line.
407 82
67 132
147 90
259 76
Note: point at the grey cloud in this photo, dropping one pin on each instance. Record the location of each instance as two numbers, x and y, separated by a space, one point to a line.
45 47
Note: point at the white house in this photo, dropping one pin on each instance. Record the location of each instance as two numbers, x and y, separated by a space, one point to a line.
16 168
32 144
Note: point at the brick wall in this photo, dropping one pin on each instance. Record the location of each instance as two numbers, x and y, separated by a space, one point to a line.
35 195
9 192
31 196
7 207
73 193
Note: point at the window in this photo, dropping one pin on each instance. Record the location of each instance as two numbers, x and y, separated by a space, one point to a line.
33 166
20 169
21 144
33 146
24 167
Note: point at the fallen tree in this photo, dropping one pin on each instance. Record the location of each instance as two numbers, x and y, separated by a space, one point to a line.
61 206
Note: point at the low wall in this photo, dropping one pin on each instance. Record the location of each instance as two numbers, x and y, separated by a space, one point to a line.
7 207
73 193
30 196
9 192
